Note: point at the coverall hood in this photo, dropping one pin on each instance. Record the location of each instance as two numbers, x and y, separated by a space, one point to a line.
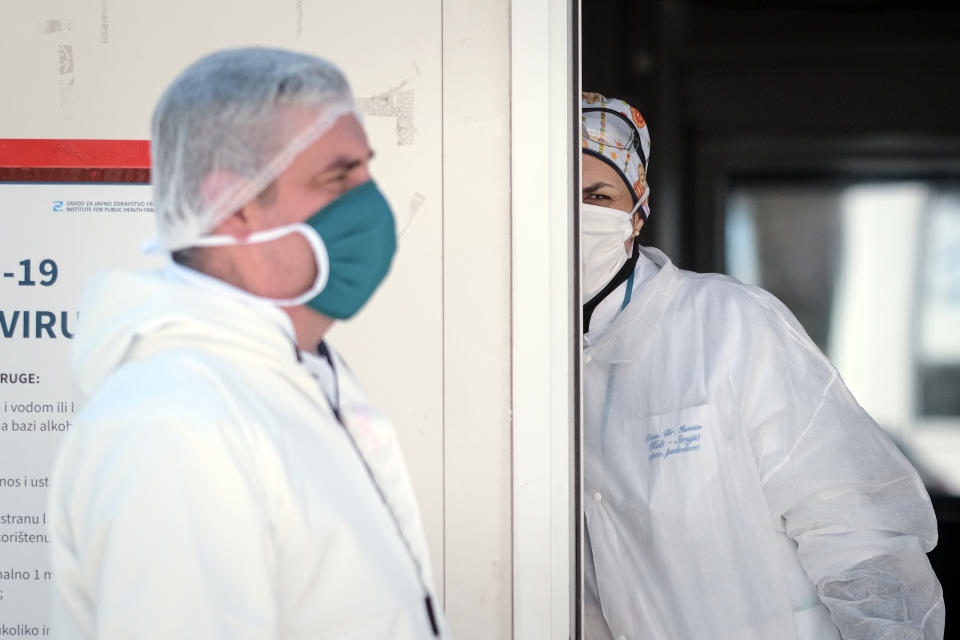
125 315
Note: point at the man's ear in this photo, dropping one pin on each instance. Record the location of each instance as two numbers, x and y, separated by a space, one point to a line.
237 225
216 187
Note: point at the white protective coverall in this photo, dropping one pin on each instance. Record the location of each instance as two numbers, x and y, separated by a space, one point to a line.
209 491
734 489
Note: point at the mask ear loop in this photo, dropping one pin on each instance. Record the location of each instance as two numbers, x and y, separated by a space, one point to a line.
313 238
636 232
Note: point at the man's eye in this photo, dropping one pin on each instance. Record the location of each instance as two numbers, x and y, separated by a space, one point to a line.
330 180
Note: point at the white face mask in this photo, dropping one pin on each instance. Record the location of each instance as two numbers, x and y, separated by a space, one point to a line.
603 232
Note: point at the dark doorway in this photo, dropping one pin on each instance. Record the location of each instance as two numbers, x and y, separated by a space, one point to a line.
808 98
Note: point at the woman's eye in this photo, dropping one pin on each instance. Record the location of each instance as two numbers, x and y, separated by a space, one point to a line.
598 196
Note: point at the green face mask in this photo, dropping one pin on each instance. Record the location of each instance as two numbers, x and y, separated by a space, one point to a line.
360 236
353 239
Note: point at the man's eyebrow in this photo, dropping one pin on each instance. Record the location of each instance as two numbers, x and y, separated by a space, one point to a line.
344 163
596 186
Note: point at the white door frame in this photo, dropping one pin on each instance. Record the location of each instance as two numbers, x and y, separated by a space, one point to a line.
545 180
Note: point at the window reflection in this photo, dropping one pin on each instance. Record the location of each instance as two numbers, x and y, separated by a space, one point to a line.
939 344
872 271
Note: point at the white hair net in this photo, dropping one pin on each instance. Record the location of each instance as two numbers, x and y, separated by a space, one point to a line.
228 125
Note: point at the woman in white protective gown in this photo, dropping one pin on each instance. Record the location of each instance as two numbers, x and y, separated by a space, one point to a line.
734 489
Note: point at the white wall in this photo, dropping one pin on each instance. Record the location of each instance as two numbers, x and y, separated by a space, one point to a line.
477 317
433 347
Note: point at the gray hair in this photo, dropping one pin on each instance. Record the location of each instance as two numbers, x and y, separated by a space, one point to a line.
242 115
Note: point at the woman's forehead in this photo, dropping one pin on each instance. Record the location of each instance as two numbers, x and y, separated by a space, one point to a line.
594 171
598 170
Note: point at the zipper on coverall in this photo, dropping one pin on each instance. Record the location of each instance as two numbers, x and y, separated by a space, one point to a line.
335 407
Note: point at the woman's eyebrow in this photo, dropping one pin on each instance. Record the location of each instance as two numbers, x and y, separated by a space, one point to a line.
596 186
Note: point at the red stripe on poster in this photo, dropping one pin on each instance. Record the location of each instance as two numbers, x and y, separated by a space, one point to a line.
75 154
73 174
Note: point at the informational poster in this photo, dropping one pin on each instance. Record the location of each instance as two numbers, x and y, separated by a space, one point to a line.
54 237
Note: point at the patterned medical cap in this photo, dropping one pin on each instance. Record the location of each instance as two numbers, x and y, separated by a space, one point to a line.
616 133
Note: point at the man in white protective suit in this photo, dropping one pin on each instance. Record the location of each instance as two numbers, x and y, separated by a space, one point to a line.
734 489
226 477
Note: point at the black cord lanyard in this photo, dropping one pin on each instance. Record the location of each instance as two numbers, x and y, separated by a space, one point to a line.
625 272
